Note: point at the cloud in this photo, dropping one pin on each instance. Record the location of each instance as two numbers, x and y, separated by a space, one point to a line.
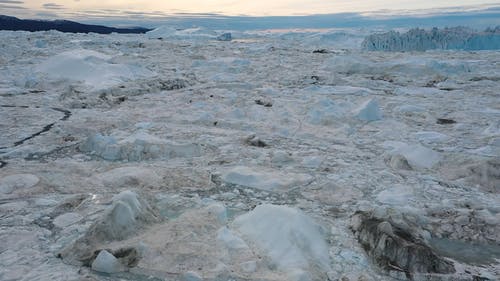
52 6
46 15
11 2
2 6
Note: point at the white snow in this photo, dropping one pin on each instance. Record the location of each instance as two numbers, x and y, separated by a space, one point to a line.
294 242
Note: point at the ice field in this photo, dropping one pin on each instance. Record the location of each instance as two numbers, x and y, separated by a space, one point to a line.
274 156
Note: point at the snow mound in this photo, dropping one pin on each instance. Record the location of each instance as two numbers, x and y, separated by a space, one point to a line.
90 67
292 240
264 180
420 40
368 111
137 147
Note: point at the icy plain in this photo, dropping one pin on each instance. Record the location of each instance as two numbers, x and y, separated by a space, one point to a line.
274 156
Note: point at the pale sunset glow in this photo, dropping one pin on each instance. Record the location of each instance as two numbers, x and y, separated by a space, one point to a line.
227 7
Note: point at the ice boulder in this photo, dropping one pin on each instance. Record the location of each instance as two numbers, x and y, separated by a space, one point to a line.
230 239
126 216
134 176
161 32
10 183
269 180
225 37
325 112
94 69
181 34
416 155
107 263
368 111
294 242
137 147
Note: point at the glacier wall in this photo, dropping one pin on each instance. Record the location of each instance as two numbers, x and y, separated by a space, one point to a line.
456 38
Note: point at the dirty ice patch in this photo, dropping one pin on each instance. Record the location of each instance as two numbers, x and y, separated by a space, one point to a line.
90 67
269 180
291 239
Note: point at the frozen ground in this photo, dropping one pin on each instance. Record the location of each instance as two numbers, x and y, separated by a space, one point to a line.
275 156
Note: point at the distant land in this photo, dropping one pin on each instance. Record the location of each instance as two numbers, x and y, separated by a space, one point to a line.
13 23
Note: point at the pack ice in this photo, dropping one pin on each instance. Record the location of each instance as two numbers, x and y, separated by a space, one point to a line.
278 155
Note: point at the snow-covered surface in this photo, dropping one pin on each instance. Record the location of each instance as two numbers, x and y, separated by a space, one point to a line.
188 158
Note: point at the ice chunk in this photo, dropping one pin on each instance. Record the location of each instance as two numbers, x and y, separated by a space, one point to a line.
368 111
10 183
225 37
171 32
219 210
106 263
417 156
430 137
130 176
91 67
230 239
191 276
399 195
124 217
325 112
293 241
137 147
249 266
265 180
67 219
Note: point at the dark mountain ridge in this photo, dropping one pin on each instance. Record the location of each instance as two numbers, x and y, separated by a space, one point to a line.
13 23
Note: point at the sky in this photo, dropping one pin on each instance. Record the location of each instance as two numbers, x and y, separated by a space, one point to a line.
160 8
